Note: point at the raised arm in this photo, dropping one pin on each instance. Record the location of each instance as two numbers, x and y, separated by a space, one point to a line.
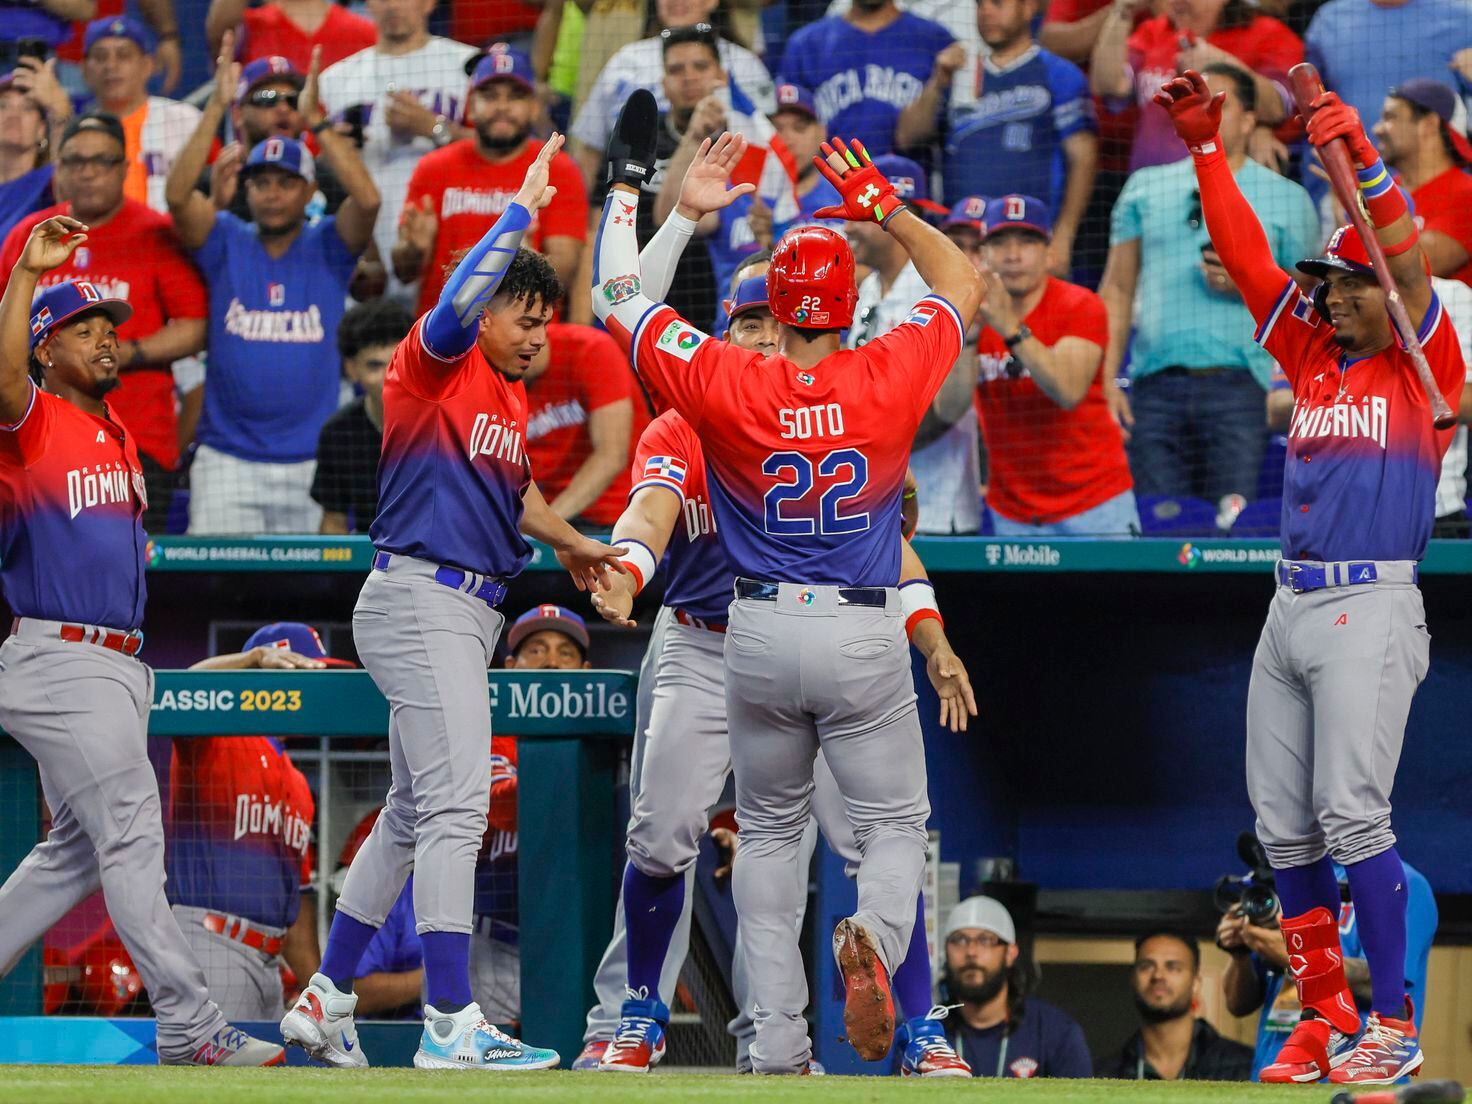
1236 234
50 244
917 122
1109 66
356 215
450 326
702 192
223 18
192 211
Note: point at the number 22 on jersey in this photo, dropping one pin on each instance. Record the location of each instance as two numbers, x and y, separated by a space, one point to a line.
790 509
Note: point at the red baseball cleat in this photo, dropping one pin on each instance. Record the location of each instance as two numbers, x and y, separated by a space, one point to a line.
868 1007
1388 1050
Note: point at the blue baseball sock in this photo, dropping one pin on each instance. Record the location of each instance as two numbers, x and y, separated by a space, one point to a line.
347 939
1378 888
1302 889
447 969
651 910
910 982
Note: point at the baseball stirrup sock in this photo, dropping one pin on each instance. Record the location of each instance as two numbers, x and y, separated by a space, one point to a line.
910 982
1316 961
1378 888
1302 889
652 908
447 969
347 939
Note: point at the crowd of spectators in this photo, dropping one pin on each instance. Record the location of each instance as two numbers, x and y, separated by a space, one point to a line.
317 190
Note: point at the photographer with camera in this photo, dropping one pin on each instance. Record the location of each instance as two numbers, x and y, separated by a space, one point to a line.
1249 931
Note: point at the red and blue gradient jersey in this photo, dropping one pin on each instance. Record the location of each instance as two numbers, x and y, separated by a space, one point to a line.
495 866
72 546
453 466
698 577
1363 460
806 465
240 828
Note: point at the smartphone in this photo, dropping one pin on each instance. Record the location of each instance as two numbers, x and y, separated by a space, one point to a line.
354 117
32 47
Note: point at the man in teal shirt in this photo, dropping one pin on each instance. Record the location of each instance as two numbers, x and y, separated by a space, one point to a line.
1196 406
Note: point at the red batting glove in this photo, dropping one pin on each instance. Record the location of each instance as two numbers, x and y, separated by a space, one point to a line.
1333 118
1194 111
867 194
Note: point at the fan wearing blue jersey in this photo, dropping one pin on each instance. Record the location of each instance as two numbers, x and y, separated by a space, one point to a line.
455 498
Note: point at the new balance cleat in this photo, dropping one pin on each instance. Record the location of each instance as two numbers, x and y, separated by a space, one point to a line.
465 1040
868 1007
321 1023
1310 1053
928 1053
590 1055
1388 1050
639 1042
635 137
228 1047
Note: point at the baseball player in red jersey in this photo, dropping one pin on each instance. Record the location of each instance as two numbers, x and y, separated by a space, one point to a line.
456 496
1345 644
72 691
806 452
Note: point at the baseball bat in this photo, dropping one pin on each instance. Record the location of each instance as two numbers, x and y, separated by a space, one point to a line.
1306 85
1427 1092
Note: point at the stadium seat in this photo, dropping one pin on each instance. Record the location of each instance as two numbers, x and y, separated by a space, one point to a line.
1259 519
1170 516
1270 475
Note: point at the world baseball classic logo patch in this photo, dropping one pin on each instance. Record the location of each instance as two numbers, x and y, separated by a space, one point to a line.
680 339
620 289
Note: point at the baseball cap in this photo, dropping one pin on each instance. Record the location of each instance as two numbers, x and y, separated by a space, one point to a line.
986 913
1434 96
547 616
751 293
294 636
263 69
1345 253
95 120
794 97
59 303
909 181
286 154
118 26
501 62
970 211
1018 212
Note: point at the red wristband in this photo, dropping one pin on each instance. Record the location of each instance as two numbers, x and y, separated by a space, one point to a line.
913 621
1386 208
1405 245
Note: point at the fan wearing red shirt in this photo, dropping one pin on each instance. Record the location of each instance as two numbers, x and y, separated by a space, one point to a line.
582 413
1418 139
131 253
1130 63
1058 465
458 192
290 29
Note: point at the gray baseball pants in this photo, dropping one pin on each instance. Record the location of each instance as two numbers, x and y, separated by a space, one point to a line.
802 672
427 647
81 711
1332 682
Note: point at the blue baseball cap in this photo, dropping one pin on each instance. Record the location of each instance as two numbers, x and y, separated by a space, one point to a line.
263 69
501 62
970 211
294 636
751 293
794 97
286 154
118 26
62 302
547 616
909 181
1018 212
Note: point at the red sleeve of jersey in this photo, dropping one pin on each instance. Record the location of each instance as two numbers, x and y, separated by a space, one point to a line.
666 454
502 813
1291 330
1443 352
602 374
1087 317
567 215
425 372
680 363
32 433
181 287
921 351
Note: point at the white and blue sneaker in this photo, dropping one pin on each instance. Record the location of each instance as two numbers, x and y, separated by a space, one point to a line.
465 1040
927 1051
321 1023
638 1044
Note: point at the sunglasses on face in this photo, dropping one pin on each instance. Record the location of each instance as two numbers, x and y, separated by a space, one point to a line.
270 97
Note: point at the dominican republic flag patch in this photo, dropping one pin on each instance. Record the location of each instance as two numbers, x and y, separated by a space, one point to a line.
665 467
1303 310
40 320
922 314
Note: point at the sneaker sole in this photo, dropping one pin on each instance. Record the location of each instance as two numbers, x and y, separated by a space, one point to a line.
1409 1070
301 1031
433 1061
868 1012
1309 1077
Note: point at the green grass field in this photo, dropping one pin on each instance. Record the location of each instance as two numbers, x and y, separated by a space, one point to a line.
150 1085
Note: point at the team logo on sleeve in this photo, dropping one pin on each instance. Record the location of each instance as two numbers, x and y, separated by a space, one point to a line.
40 320
922 314
665 467
1303 310
680 339
620 289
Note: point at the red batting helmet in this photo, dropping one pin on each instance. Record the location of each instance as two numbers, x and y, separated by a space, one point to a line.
1344 253
811 281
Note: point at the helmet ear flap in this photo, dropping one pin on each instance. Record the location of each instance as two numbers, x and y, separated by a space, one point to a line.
1321 293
